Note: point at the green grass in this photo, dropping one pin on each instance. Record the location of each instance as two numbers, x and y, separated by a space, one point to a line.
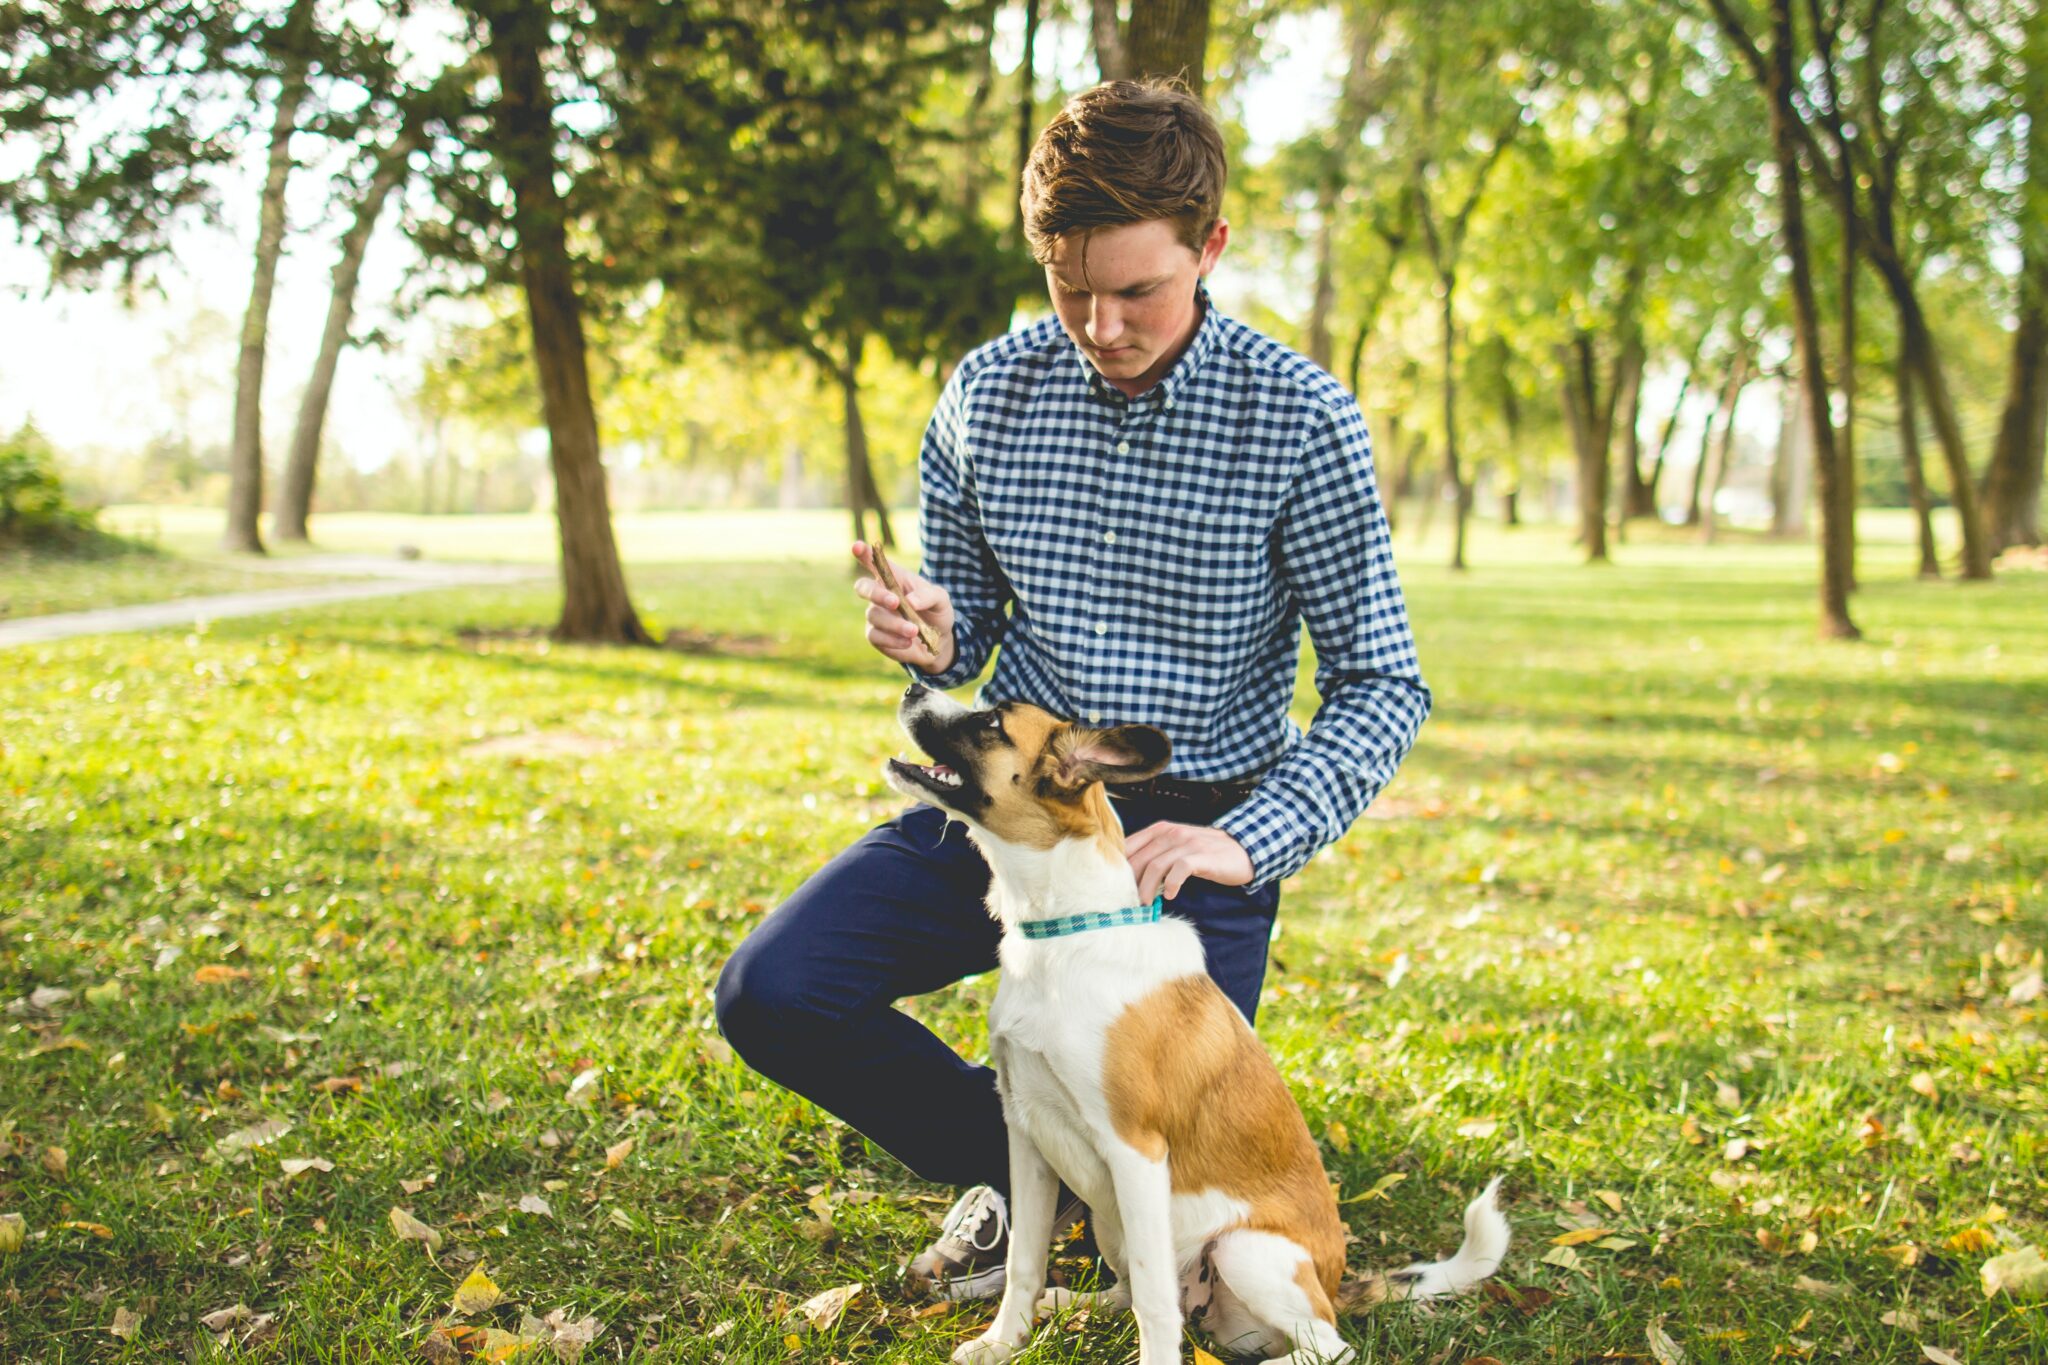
39 583
1661 869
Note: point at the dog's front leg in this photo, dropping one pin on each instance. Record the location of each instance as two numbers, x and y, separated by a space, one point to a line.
1144 1197
1034 1199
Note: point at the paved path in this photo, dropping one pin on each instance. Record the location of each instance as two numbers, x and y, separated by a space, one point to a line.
379 578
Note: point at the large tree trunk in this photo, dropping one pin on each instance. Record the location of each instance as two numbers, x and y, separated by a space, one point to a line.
1168 38
245 454
1027 107
1693 503
1916 473
2012 482
1111 59
1628 413
295 491
1836 535
1590 430
861 492
1461 490
595 604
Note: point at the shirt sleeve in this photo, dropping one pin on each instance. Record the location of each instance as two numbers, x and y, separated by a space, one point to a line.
1336 562
956 552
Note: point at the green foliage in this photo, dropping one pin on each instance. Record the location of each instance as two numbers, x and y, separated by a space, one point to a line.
34 509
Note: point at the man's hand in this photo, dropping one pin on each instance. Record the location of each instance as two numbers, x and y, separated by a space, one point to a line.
1165 855
889 631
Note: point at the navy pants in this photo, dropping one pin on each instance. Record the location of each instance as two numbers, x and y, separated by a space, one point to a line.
808 1000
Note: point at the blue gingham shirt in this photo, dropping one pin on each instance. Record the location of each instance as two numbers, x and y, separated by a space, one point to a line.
1152 559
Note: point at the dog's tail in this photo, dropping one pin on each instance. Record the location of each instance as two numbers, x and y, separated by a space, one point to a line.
1479 1255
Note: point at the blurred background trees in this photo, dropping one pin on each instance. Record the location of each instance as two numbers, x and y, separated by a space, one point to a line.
1740 265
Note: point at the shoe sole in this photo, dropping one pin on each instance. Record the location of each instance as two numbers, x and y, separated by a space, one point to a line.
982 1284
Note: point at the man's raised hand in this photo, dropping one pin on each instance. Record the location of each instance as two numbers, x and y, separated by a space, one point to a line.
892 634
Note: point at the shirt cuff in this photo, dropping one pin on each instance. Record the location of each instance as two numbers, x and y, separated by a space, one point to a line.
1273 835
960 673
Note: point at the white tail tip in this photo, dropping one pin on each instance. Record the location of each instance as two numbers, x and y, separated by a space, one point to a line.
1478 1256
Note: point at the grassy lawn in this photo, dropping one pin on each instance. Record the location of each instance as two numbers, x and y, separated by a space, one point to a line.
40 584
1703 933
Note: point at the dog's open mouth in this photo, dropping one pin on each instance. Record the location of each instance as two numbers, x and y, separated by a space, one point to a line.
938 774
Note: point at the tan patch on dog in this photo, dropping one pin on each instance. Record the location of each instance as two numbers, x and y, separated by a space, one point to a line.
1187 1078
1318 1297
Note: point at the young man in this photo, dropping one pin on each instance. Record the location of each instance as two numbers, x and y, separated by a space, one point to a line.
1140 501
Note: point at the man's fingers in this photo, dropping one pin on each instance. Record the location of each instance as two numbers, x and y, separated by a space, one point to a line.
873 591
1178 877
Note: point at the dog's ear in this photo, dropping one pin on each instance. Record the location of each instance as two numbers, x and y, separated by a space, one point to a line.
1127 753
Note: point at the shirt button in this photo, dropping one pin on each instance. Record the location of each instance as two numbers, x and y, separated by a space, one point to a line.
1169 400
1109 537
1095 718
1123 447
1102 628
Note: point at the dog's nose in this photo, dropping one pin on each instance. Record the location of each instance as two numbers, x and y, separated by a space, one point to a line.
914 691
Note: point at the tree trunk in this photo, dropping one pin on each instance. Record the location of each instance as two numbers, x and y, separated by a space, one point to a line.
1628 412
1724 453
2012 482
1648 508
245 454
1321 349
1916 474
1111 59
1699 469
1461 492
1589 443
295 492
1168 38
1027 106
1836 536
595 604
861 492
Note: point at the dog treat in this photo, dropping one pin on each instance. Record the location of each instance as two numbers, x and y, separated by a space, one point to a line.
887 573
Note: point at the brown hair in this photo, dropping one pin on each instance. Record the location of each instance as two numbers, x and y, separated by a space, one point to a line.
1125 152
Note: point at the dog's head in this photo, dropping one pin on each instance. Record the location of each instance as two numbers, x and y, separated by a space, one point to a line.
1018 772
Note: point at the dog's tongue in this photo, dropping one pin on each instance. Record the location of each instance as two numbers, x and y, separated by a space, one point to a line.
942 770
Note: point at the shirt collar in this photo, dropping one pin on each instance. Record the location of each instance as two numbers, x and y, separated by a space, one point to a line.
1168 389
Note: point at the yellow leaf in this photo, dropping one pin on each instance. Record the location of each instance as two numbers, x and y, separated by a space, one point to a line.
1339 1136
1379 1188
13 1233
216 974
100 1230
126 1324
793 1342
1972 1239
1478 1128
476 1294
616 1154
1580 1236
1662 1347
1922 1083
1610 1199
411 1229
56 1161
1202 1357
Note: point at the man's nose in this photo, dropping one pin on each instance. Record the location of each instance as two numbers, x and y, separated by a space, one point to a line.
1105 323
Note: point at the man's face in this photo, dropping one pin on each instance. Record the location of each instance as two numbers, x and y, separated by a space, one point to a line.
1126 296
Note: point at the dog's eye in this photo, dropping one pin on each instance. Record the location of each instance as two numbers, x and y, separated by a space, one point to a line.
995 720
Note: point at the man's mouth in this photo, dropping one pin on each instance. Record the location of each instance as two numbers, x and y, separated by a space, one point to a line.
936 773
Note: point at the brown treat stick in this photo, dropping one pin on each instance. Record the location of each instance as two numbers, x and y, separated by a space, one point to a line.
887 573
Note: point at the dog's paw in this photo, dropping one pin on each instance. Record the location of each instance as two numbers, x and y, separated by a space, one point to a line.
985 1350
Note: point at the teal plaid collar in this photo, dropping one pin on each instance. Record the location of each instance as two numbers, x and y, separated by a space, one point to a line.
1094 919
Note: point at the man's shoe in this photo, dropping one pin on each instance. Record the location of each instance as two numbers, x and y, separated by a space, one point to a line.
971 1256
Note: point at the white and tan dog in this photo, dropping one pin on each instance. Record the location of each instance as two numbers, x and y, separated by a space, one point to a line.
1126 1071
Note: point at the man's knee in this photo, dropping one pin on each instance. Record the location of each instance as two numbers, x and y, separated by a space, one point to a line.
759 1009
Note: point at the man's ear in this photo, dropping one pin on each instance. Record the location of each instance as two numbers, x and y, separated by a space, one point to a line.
1128 753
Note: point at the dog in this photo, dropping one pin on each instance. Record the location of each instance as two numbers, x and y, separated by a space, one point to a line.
1126 1072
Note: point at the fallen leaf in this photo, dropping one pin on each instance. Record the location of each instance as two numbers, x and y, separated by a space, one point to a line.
1902 1318
533 1203
415 1186
583 1089
1972 1239
217 973
411 1229
1727 1096
1736 1149
1905 1255
1379 1187
1615 1243
99 1230
570 1335
822 1311
1478 1128
1202 1357
255 1135
1937 1355
1339 1137
616 1154
220 1319
1806 1284
2026 990
1580 1236
1562 1257
126 1324
13 1233
334 1085
1662 1347
1610 1199
2022 1274
476 1294
1922 1083
296 1166
1690 1131
56 1161
1525 1299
